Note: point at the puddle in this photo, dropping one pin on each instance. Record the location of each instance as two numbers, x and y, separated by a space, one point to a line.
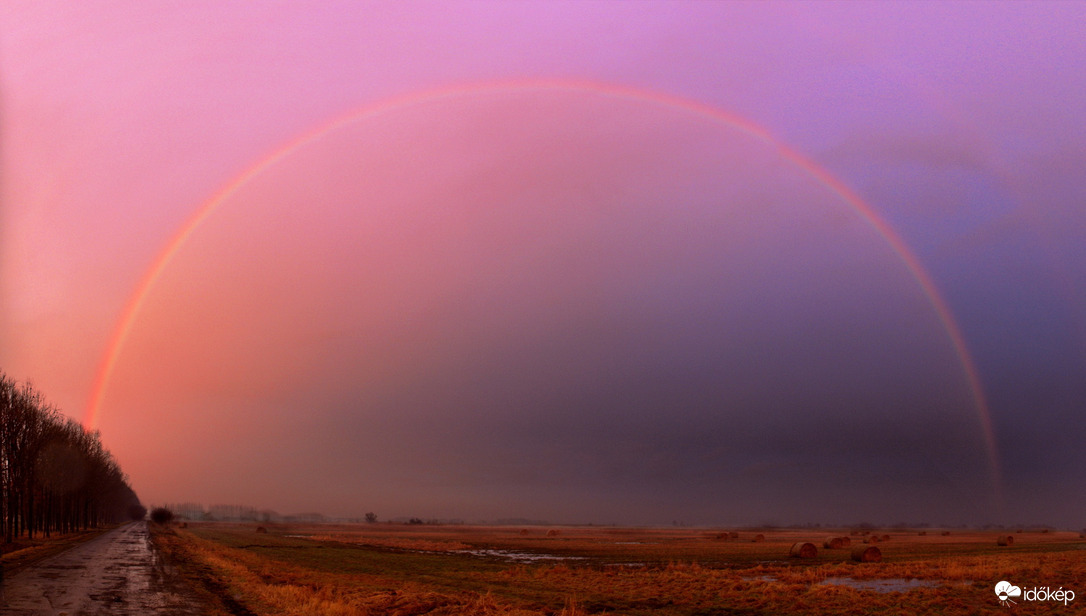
519 557
883 585
760 578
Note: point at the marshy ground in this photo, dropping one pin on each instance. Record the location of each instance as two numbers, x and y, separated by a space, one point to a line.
424 569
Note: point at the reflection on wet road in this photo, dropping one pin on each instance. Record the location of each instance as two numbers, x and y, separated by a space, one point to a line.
116 574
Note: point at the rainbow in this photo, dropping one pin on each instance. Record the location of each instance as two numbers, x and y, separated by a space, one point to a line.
158 265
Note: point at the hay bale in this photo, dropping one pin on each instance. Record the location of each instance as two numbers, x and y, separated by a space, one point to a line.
552 533
262 530
836 543
868 554
759 538
1044 532
871 539
1005 540
733 535
721 537
884 538
945 533
922 533
803 550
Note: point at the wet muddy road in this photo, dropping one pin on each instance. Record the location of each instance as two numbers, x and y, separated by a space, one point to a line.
115 574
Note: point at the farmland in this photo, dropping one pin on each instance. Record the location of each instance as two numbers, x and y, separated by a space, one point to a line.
431 569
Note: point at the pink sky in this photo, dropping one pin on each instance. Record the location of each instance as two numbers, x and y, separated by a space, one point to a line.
596 303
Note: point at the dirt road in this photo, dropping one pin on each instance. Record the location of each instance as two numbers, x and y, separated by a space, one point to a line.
115 574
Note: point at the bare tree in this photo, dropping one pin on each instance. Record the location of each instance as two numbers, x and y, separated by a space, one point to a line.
55 476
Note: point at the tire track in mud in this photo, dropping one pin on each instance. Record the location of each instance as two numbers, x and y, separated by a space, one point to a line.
116 574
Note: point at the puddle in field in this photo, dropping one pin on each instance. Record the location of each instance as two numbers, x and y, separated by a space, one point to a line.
519 557
760 578
884 585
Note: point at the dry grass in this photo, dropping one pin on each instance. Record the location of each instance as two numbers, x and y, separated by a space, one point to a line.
383 569
400 543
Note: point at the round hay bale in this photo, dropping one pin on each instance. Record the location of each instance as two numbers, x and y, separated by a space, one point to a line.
871 539
945 533
855 533
759 538
868 554
922 533
262 530
884 538
721 537
1005 540
1044 532
733 535
552 533
803 550
836 543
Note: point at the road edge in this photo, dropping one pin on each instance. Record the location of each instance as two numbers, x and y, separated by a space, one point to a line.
17 560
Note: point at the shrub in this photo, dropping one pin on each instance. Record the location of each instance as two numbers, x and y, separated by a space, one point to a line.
161 515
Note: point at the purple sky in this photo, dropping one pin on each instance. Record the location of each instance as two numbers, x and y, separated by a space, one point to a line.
574 303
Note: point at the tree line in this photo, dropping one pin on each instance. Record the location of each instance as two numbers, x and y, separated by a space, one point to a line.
55 476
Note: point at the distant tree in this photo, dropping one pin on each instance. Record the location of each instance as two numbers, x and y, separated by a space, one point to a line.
415 521
371 517
161 515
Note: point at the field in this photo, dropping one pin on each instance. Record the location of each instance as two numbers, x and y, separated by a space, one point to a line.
424 569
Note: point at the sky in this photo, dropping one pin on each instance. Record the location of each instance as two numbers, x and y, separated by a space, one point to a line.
715 263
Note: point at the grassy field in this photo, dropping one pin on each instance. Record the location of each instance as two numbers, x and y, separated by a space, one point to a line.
406 570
